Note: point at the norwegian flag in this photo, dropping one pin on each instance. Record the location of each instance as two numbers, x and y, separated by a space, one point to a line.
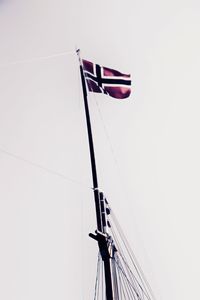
108 81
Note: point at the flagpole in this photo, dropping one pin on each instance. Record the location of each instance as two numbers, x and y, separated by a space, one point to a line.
91 146
100 236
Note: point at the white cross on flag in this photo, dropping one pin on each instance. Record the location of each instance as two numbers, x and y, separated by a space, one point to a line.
105 80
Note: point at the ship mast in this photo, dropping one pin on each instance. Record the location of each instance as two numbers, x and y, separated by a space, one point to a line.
105 242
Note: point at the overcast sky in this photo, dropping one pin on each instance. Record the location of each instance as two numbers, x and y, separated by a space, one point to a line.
147 146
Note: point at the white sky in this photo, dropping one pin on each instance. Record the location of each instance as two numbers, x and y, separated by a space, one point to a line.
147 147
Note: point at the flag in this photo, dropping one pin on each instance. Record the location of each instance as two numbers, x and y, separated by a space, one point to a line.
105 80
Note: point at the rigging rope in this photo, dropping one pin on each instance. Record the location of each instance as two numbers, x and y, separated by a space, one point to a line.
50 171
34 59
133 258
97 279
128 279
106 133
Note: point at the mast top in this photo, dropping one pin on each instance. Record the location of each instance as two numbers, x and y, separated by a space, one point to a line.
78 54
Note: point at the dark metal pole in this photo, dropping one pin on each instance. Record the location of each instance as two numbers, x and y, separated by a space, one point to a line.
92 155
102 240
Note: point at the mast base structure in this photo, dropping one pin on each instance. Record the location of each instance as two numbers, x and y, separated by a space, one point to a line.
115 279
107 251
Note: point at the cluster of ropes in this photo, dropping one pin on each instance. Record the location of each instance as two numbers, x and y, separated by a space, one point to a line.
128 279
